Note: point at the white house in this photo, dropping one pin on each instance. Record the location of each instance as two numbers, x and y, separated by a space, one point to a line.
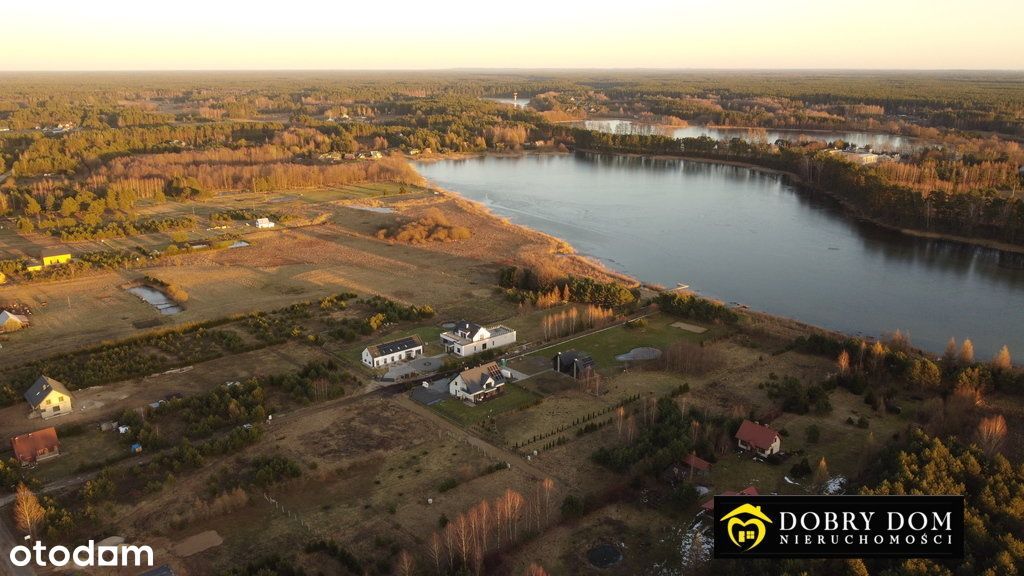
757 437
862 158
468 338
264 223
480 383
48 398
394 351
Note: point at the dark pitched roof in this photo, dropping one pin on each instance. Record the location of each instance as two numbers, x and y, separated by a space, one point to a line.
757 435
27 446
42 388
570 357
467 327
474 378
395 346
53 251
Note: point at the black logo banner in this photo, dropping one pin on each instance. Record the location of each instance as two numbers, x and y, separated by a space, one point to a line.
839 526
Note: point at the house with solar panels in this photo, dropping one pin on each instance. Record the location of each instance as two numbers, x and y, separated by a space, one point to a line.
480 383
48 398
388 353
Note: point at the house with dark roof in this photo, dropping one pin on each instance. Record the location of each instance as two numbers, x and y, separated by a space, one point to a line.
468 338
479 384
394 351
36 446
577 364
759 438
48 398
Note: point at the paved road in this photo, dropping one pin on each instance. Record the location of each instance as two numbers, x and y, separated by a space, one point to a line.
7 543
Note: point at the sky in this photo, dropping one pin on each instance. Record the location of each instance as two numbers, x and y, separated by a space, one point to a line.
441 34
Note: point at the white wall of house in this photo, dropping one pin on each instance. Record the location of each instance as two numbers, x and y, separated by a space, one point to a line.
378 361
457 388
773 449
55 404
481 345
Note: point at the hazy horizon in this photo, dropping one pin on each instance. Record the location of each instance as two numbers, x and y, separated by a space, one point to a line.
805 35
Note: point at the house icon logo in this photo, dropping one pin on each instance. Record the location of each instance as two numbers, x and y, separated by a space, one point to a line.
746 526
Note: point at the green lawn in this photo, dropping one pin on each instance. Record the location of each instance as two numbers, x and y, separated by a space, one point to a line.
87 447
514 398
430 334
604 346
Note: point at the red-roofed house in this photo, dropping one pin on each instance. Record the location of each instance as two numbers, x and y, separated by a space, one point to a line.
709 506
36 446
696 464
759 438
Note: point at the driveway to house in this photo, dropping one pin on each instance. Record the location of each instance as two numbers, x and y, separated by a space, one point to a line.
422 365
7 543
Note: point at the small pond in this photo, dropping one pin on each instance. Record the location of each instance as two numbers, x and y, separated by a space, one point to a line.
157 299
604 555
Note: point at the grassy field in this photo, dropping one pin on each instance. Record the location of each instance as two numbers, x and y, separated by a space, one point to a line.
514 398
568 404
605 345
83 449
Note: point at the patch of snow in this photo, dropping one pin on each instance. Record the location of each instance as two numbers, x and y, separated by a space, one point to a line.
835 485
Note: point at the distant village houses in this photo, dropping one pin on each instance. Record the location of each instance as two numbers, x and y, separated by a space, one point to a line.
264 223
467 338
863 157
394 351
48 398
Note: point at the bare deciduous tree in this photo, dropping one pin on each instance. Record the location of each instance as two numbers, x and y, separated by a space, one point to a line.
435 551
843 363
28 512
991 434
967 352
1002 360
405 565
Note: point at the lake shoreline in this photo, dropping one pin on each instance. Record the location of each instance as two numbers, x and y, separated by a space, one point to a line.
850 209
597 256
